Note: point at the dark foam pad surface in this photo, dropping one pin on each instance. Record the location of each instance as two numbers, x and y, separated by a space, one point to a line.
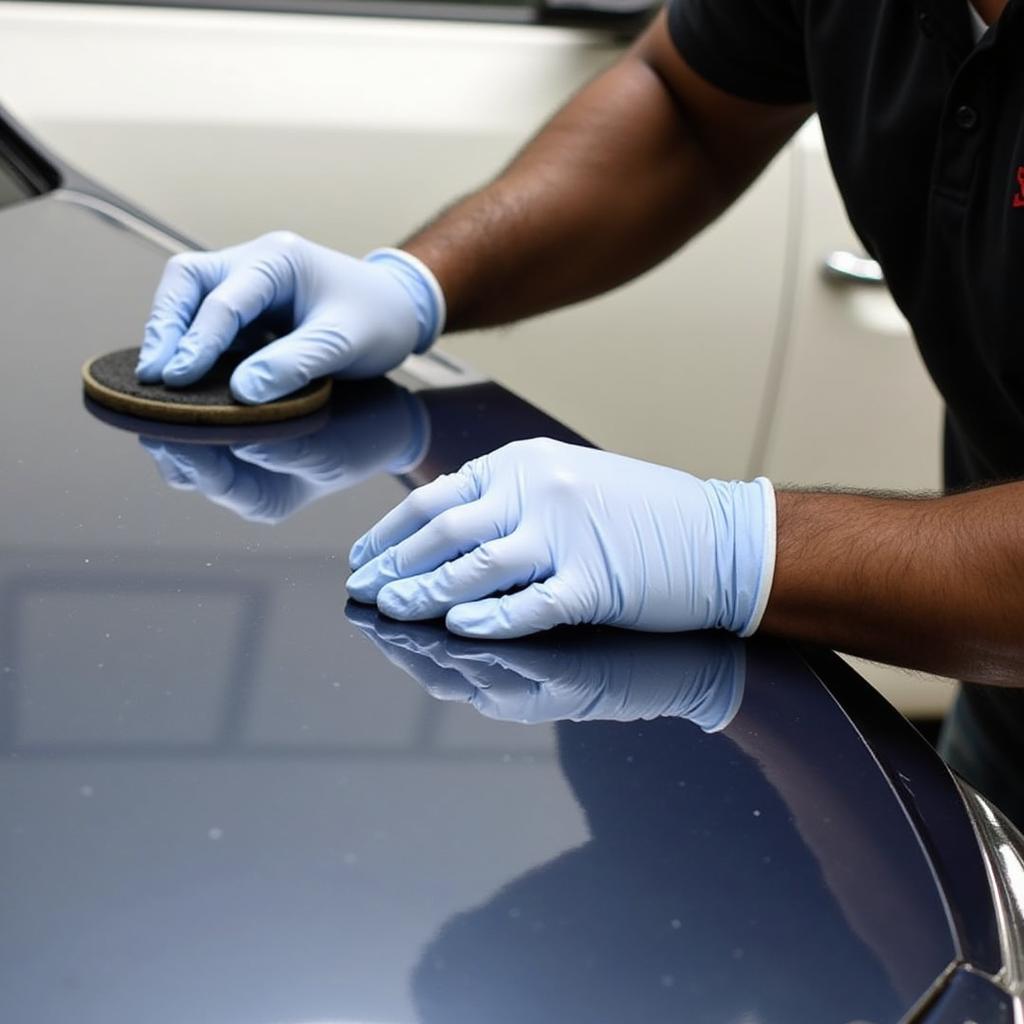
110 380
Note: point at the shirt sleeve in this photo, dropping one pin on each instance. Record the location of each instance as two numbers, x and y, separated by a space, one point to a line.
750 48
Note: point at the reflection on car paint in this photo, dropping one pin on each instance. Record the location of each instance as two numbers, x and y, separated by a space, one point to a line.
220 802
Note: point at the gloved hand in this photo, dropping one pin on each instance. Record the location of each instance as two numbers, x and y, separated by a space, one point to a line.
385 430
351 318
594 676
591 536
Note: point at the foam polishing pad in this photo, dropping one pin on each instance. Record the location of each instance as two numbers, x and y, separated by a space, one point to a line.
110 381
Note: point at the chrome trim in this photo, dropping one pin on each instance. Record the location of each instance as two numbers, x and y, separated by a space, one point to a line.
436 369
120 217
919 1011
1002 848
524 12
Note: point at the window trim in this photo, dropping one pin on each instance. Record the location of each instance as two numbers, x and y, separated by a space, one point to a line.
534 12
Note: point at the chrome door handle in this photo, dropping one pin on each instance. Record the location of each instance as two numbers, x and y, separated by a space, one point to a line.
843 267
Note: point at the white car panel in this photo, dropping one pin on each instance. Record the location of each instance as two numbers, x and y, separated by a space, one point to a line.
856 406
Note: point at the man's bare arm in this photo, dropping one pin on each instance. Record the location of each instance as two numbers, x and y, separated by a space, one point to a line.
929 583
638 162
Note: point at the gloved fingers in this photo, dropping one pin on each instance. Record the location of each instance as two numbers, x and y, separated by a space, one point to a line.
249 492
316 348
574 674
313 460
415 511
167 464
205 468
481 664
235 302
518 688
544 664
437 652
364 618
416 636
502 693
715 685
496 686
422 639
447 536
540 606
444 675
381 428
406 434
494 566
417 660
300 456
442 683
185 281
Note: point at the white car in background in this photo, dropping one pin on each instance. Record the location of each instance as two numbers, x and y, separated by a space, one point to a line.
352 123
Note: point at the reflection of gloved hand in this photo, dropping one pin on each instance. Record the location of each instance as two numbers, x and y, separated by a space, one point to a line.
608 676
593 537
351 318
267 482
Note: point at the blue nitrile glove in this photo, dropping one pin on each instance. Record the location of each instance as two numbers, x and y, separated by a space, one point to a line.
351 318
270 480
591 536
602 677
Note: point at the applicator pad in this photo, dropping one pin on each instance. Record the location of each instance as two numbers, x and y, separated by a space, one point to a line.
110 380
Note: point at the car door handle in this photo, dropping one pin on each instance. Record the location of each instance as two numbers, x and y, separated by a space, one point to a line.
842 267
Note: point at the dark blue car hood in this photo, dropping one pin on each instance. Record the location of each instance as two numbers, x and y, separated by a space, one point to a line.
221 803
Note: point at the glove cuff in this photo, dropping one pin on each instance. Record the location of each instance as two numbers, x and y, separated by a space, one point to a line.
761 541
713 670
744 515
423 288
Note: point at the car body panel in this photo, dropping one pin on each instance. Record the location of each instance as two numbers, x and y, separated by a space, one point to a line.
219 802
931 798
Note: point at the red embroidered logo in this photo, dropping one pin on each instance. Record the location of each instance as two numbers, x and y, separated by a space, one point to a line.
1018 199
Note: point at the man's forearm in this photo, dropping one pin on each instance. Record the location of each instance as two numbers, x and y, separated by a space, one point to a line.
929 583
609 187
620 178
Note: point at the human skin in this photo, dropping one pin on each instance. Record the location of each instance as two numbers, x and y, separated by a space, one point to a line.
989 9
631 168
933 583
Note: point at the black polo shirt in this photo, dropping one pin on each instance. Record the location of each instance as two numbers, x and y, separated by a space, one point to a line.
925 134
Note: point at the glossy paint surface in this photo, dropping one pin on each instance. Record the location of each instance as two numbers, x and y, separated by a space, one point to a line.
224 797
